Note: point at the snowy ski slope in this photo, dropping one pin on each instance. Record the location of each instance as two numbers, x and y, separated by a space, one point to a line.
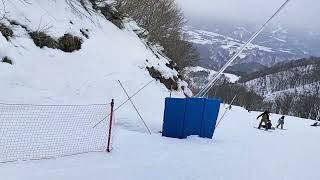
87 76
238 151
48 76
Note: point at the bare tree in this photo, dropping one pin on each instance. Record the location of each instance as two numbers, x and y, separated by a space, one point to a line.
284 103
164 20
3 15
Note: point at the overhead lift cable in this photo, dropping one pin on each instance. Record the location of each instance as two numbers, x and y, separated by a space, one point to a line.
207 88
226 111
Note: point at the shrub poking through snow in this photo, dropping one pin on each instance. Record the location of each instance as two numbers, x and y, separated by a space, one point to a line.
170 83
69 43
7 60
94 4
84 32
16 23
112 15
172 65
6 31
154 73
41 40
66 43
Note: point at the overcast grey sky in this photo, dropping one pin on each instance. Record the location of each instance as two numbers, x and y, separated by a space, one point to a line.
303 14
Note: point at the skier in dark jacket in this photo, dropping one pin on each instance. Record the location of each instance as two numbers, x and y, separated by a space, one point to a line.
317 120
269 125
264 119
281 122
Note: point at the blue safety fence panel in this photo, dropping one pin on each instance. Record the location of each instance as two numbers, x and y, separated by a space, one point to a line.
194 116
210 116
174 117
190 116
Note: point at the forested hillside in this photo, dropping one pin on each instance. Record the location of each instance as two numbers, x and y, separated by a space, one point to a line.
299 77
292 88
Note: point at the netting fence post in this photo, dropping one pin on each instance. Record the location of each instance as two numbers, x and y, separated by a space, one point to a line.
110 127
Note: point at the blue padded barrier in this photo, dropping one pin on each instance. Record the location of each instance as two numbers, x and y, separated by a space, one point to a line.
190 116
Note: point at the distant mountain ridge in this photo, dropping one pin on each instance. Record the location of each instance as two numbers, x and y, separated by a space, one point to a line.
291 88
278 71
299 77
216 49
275 45
312 61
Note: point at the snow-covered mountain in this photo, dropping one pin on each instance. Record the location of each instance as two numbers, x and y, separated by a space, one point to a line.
198 77
37 69
217 43
216 49
298 77
289 88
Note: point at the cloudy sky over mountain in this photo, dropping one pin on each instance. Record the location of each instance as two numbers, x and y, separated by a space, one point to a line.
299 13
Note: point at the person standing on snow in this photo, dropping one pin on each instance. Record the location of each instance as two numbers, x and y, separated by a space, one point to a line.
317 120
281 122
264 119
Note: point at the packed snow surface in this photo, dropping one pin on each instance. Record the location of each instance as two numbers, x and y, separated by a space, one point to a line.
237 151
